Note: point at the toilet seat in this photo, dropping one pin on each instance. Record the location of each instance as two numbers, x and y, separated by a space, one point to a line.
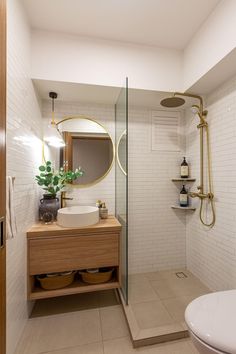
202 346
212 319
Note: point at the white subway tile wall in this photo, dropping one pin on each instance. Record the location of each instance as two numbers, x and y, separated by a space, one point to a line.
156 232
24 154
105 115
211 253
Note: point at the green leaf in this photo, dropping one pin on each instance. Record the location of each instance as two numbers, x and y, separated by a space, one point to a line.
42 168
48 169
40 183
51 190
48 163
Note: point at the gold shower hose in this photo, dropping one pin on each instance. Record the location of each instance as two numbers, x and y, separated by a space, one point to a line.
210 194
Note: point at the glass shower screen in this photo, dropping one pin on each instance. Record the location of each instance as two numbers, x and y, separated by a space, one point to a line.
121 109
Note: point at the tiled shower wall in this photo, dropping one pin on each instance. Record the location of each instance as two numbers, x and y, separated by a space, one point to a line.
24 151
156 232
211 253
105 115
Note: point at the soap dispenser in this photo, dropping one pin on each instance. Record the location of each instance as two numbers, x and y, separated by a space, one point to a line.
103 211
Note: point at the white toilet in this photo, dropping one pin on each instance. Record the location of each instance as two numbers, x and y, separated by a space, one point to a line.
211 320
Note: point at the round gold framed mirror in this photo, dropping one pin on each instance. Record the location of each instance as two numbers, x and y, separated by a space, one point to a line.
87 145
121 152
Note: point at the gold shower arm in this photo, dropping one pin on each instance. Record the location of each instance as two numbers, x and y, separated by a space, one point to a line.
193 96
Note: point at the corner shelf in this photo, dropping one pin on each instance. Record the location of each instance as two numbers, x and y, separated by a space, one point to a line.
183 208
183 179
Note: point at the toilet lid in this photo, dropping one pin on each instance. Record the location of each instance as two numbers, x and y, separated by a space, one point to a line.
212 318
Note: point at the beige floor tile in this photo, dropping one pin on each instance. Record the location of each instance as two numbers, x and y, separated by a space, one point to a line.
124 346
108 298
141 292
189 286
170 288
65 304
94 348
153 276
192 347
176 306
151 314
113 322
164 289
174 347
138 277
61 331
119 346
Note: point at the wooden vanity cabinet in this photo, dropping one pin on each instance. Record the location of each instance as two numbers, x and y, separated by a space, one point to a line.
52 248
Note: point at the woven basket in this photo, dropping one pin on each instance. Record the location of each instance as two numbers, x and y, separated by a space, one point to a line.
57 281
96 278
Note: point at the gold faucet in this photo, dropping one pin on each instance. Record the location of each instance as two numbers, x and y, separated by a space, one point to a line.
63 199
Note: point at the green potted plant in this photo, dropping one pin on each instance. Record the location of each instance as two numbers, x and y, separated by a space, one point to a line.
52 182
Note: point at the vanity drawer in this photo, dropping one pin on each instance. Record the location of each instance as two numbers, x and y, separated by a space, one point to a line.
58 254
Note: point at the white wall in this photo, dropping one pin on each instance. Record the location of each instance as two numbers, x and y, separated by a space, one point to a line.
213 41
23 157
156 232
211 253
104 114
62 57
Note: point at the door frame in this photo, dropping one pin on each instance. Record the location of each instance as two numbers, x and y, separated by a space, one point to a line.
2 176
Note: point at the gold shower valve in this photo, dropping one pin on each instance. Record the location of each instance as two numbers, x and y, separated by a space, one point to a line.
202 195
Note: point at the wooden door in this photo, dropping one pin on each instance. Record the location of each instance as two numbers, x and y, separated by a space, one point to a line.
2 176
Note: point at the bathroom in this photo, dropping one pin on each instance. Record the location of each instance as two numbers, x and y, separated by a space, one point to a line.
116 76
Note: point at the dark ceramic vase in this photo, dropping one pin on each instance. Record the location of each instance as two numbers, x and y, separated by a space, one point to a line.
48 208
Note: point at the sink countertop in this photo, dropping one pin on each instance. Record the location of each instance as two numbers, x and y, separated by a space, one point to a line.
41 230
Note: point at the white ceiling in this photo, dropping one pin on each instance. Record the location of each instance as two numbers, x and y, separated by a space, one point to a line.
163 23
94 94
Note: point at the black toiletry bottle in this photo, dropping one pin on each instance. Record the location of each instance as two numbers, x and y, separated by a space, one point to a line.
184 170
183 197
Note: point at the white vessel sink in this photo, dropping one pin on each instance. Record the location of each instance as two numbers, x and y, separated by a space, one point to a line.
78 216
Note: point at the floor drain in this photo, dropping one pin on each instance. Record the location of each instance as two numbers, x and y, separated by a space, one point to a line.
181 275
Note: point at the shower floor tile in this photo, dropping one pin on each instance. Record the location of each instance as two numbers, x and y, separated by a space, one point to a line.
157 303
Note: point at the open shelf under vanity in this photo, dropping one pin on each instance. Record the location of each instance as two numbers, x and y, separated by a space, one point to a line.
77 287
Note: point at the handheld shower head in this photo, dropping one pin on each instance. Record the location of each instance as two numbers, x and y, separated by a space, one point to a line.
195 109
